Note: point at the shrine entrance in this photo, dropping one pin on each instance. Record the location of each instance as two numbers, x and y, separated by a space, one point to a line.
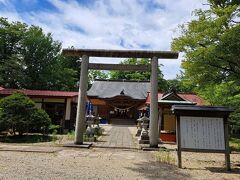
153 67
122 110
118 101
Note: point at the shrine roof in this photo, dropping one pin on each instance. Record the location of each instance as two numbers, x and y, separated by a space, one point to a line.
111 88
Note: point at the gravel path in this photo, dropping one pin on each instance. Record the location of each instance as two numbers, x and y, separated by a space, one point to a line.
45 162
84 164
100 163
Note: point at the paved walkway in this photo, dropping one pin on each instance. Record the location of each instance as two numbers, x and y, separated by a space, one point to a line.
118 136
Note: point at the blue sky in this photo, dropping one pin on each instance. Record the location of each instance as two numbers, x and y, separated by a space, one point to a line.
108 24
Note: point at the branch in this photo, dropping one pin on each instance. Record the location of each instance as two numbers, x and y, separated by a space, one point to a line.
218 57
229 62
237 22
207 4
224 69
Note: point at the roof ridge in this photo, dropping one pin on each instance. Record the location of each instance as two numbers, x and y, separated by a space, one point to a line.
48 90
121 80
1 88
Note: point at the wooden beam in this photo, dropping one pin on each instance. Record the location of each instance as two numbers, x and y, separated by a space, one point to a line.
227 149
120 53
179 148
120 67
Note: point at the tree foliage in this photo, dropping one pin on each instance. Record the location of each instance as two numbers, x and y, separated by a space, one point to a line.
18 113
138 75
96 74
31 59
211 46
180 84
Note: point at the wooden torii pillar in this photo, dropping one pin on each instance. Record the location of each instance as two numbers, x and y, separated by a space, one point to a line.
86 53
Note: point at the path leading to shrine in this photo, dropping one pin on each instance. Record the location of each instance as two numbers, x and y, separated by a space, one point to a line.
117 136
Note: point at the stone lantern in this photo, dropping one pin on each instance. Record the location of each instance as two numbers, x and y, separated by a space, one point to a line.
90 121
139 126
144 136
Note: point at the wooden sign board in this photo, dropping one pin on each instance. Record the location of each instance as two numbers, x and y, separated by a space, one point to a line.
203 133
202 129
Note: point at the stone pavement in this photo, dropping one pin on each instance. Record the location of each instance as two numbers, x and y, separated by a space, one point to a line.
118 136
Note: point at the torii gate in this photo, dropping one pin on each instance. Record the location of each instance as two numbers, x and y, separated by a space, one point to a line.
85 65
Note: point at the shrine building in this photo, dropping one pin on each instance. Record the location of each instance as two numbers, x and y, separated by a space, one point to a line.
115 101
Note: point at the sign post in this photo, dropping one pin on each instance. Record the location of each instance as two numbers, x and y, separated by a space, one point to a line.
202 129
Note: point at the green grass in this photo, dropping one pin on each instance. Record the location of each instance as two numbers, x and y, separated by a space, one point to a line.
98 132
71 135
164 156
235 143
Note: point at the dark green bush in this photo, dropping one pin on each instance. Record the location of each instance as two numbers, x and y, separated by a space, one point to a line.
19 114
40 121
54 128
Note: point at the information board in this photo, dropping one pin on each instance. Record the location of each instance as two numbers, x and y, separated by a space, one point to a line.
202 133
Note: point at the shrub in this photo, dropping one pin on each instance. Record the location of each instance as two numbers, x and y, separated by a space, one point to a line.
18 113
40 121
2 123
54 128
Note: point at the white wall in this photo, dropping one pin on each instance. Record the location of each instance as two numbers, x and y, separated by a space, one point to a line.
68 109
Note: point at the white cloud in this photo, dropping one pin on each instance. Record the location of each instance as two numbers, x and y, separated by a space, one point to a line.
5 2
113 24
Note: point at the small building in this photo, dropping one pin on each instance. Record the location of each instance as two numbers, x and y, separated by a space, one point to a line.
167 120
60 105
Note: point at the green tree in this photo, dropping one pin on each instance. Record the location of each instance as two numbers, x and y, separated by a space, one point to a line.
18 113
40 54
180 84
211 46
224 94
11 36
31 59
138 75
66 74
96 74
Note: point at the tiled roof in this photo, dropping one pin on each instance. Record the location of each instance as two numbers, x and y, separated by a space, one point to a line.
192 98
186 96
110 89
38 93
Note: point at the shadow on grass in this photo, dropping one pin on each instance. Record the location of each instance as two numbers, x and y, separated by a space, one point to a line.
26 139
156 170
